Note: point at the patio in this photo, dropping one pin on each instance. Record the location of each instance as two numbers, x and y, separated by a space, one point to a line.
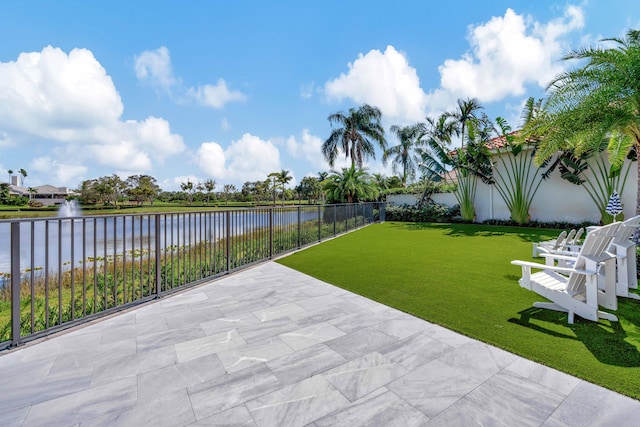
270 346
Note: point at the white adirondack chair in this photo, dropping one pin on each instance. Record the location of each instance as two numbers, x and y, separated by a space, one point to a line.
625 251
549 245
575 290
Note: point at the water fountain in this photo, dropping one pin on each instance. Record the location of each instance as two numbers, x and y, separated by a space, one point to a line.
69 208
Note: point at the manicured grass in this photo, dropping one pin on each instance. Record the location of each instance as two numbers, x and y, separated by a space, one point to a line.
460 276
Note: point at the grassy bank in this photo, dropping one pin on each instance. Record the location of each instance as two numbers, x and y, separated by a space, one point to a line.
460 276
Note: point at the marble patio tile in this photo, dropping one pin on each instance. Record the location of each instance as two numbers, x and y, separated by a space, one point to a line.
166 409
415 351
14 418
223 324
297 404
447 336
316 302
359 343
184 298
85 357
14 369
294 367
505 399
247 355
193 317
589 404
315 334
319 315
278 311
17 392
365 303
117 368
360 377
478 359
543 375
381 408
238 416
148 342
178 376
231 390
243 306
63 343
270 328
402 327
356 321
132 329
83 405
209 344
434 387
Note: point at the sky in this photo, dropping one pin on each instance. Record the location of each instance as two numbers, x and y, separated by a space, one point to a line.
235 90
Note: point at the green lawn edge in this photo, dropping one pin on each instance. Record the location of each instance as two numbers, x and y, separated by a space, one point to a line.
459 276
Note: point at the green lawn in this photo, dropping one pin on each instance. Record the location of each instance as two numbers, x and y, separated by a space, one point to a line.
460 276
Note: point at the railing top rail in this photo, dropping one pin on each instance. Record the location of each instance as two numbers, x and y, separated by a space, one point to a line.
88 215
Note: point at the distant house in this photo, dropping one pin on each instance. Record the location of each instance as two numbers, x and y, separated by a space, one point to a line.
46 194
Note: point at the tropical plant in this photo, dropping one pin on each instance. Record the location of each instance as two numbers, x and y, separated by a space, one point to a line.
403 156
467 111
10 172
518 180
209 186
349 186
598 100
310 188
189 188
227 190
358 132
32 191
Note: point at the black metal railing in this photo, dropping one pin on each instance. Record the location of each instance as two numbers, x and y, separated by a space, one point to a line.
57 272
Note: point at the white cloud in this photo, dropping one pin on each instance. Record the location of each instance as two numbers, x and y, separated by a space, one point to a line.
215 96
224 124
154 66
385 80
53 95
506 54
69 101
247 159
306 91
62 173
309 148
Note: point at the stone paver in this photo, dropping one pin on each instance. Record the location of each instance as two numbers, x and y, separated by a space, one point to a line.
270 346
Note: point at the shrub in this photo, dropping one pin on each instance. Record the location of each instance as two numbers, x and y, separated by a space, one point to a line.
35 204
431 212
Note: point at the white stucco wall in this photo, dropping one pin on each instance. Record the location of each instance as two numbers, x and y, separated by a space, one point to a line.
555 200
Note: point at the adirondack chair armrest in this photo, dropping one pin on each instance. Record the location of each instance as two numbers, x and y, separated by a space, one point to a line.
538 266
561 255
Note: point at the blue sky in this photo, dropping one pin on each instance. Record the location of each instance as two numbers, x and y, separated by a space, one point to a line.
235 90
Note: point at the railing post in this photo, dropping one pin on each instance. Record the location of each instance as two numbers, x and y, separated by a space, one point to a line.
319 225
299 228
270 233
228 245
158 255
15 284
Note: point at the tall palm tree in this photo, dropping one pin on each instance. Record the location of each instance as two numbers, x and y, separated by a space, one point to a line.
350 185
282 178
597 101
355 136
10 172
466 112
24 175
403 155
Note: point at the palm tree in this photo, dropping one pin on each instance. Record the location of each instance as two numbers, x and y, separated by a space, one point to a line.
356 135
467 111
351 185
228 189
24 175
403 155
597 101
10 172
281 178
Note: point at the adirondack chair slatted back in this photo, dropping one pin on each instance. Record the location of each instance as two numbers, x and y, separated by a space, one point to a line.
560 240
577 237
627 229
594 246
